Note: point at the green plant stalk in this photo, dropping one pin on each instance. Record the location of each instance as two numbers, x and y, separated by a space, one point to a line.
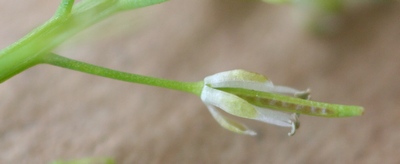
56 60
67 21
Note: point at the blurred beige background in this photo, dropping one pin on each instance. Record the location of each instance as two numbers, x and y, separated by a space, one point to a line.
49 113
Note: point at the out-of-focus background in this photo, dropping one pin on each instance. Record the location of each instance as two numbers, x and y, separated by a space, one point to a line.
48 113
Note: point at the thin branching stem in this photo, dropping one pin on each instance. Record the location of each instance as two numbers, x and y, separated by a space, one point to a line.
57 60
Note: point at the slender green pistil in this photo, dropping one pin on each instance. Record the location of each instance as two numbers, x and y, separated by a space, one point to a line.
295 105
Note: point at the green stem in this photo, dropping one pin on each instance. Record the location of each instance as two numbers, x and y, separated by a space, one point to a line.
56 60
68 20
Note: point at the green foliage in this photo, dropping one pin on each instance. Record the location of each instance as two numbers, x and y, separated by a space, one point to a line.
68 20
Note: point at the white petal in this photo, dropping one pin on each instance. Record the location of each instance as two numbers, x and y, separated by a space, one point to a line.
279 118
230 103
252 81
229 124
292 92
274 117
285 90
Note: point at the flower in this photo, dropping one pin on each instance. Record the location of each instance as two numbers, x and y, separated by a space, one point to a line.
240 93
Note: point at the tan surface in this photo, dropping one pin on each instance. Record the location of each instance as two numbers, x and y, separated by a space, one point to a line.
49 113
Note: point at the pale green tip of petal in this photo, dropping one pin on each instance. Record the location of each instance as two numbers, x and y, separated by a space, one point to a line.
229 124
248 76
236 127
235 75
230 103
